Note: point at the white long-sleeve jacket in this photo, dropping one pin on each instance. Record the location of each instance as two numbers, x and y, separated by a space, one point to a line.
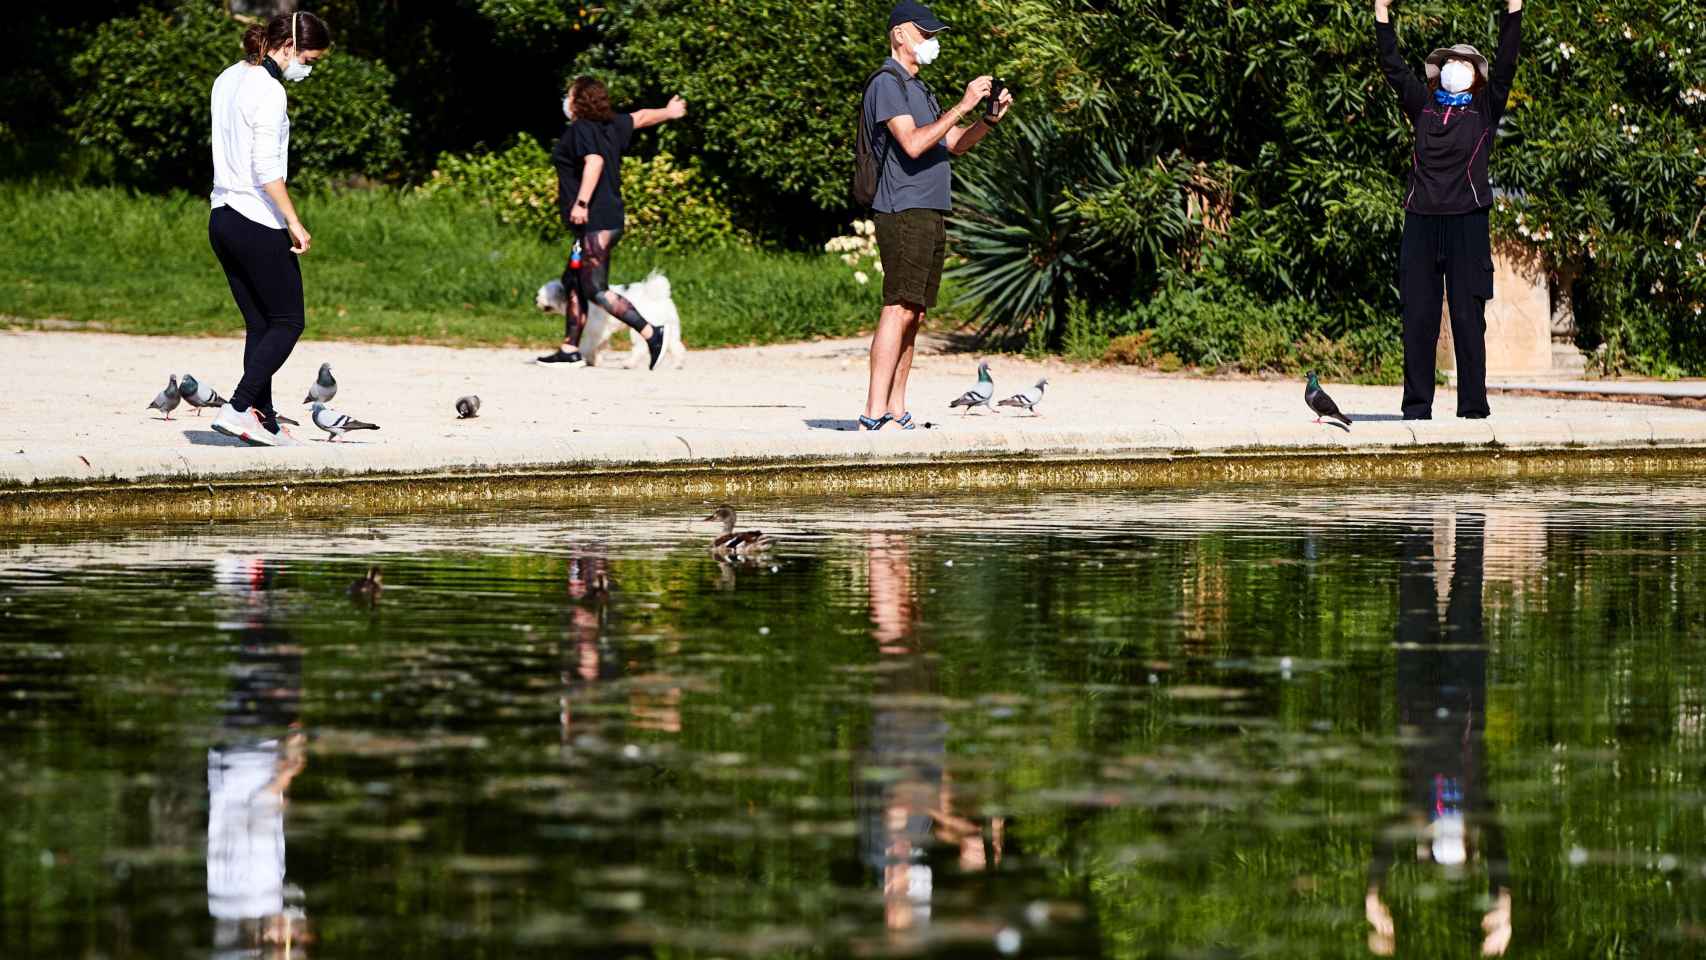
251 141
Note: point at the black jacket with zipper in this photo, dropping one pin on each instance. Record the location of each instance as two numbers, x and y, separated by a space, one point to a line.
1448 173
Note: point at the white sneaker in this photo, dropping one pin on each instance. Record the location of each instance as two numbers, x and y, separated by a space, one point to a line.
245 426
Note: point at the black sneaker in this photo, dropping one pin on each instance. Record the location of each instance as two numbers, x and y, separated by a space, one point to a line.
654 343
565 357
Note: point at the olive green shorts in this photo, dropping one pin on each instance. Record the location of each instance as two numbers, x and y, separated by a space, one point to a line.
912 245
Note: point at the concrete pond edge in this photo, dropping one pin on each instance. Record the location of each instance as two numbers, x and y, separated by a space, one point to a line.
44 506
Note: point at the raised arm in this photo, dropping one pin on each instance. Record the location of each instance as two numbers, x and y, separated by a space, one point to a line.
1505 58
917 140
1412 92
675 110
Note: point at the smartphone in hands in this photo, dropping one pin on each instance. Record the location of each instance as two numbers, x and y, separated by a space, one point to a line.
995 88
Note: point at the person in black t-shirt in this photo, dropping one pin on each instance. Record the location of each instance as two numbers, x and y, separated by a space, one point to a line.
588 159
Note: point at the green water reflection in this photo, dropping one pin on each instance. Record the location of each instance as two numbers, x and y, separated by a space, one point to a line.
1444 723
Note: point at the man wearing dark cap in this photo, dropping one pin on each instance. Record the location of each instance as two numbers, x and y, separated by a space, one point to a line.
913 139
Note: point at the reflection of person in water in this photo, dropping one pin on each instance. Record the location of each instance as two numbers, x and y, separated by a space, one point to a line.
592 659
1442 696
587 654
908 813
249 773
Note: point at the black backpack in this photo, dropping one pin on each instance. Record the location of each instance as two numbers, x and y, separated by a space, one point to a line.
867 166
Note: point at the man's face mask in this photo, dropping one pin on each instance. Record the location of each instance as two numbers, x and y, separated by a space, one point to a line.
925 51
1456 76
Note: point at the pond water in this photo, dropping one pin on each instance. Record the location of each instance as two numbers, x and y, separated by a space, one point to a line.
1311 723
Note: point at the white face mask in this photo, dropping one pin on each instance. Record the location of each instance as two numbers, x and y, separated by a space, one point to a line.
926 51
566 113
1456 76
297 71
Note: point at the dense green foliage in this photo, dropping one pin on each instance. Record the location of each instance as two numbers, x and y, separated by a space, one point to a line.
386 265
145 100
1266 154
668 206
773 87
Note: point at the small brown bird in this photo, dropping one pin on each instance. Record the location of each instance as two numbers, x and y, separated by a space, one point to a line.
747 543
367 588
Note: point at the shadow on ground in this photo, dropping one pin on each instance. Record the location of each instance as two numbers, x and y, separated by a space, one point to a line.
209 438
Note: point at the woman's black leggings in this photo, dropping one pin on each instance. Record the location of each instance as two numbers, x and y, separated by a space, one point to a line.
1457 250
266 282
592 283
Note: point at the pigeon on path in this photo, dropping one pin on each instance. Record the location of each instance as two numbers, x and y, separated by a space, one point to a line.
198 394
324 388
167 400
467 407
337 424
980 394
1321 404
1029 399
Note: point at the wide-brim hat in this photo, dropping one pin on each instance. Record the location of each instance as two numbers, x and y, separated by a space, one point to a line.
1462 51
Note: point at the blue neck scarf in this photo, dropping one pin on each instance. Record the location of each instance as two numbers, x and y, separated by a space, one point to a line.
1445 99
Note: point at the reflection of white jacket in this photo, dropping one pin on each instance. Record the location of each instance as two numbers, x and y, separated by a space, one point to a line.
245 833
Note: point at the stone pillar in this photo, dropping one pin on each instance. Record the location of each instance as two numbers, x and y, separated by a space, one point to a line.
1521 322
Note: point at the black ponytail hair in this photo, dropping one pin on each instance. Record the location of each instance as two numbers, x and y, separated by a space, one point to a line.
263 38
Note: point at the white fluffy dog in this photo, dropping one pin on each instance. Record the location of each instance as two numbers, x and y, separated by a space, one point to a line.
650 296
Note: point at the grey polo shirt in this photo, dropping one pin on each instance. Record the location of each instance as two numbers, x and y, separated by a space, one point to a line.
906 183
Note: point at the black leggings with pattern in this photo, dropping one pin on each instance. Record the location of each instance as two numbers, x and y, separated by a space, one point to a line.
592 282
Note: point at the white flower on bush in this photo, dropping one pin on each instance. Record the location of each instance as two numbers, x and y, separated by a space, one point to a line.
855 248
1565 49
1693 95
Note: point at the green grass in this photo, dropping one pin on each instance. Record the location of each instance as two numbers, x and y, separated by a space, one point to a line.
385 266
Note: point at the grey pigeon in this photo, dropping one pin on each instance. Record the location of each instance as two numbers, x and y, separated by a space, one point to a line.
324 388
335 423
980 394
198 394
467 407
1320 403
1029 399
167 400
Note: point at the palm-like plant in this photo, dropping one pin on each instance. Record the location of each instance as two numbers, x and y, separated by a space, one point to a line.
1022 245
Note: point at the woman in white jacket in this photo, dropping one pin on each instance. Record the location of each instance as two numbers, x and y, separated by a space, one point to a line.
254 228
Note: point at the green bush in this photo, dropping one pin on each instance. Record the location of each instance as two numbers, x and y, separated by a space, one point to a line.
1219 326
145 84
772 88
669 207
